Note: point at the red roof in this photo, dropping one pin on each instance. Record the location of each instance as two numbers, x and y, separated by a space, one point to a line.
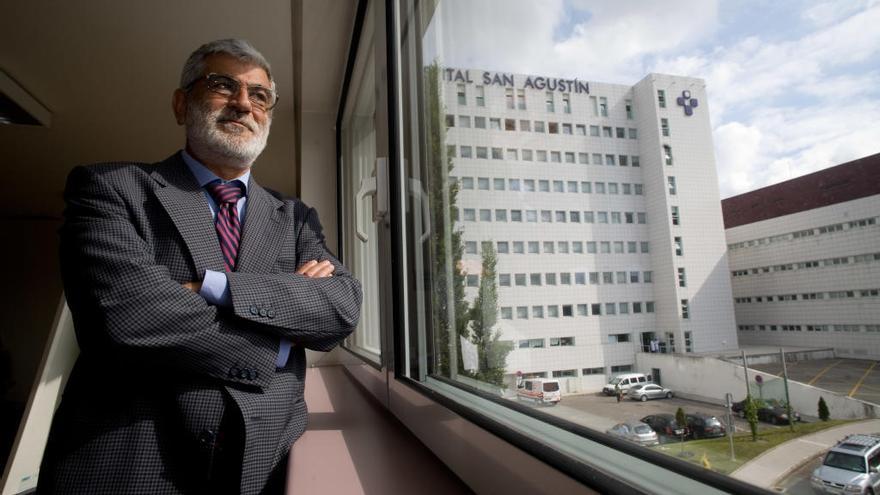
846 182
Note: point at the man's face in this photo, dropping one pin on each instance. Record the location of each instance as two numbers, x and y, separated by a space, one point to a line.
229 130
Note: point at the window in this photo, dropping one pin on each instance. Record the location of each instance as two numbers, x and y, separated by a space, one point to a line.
618 338
675 217
661 98
534 247
500 215
633 277
597 159
635 161
645 247
548 101
485 215
504 279
464 121
679 246
633 133
537 311
508 98
462 95
466 152
685 309
671 182
470 215
473 281
648 277
503 247
470 247
603 106
539 126
521 100
480 97
542 155
664 127
580 129
553 127
467 183
594 131
610 309
553 311
566 103
667 154
519 279
621 132
607 132
482 152
496 154
525 125
565 374
509 124
628 105
483 183
682 279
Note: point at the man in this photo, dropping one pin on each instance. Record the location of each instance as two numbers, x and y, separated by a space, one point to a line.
194 292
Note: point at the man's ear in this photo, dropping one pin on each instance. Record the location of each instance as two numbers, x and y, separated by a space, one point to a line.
178 104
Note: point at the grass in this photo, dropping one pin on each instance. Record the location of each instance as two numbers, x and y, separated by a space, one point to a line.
716 451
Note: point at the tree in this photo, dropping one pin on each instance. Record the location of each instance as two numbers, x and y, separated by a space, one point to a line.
491 351
750 408
681 419
449 308
824 413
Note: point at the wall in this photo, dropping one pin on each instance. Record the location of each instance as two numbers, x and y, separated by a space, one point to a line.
708 378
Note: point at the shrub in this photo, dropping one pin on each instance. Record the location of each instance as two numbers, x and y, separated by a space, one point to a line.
824 413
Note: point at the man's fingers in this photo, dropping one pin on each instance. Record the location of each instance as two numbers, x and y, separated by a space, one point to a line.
305 266
325 271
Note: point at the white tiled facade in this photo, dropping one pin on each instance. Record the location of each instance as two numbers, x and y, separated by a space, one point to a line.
810 278
620 205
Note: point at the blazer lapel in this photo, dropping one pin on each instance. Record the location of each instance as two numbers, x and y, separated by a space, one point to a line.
262 233
185 203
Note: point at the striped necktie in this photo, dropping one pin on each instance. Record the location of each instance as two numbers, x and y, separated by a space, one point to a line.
227 222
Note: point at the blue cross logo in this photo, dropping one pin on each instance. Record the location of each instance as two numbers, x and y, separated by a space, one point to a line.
687 102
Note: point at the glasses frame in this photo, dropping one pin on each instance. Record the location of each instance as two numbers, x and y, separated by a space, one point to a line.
208 77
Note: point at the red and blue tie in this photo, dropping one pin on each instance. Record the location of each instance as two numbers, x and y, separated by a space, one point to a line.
227 222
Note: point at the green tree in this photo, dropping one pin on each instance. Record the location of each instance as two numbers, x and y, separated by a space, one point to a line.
824 413
750 409
491 351
449 308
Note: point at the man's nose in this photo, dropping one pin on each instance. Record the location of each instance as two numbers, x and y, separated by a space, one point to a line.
240 100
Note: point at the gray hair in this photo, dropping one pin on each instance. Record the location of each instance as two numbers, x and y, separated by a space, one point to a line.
194 67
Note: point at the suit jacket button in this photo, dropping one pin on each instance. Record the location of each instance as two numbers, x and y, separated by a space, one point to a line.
254 310
263 312
270 314
234 372
206 437
243 374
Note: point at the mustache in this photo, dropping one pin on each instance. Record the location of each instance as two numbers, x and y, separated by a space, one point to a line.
228 115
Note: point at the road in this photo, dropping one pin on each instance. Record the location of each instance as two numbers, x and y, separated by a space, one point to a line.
798 482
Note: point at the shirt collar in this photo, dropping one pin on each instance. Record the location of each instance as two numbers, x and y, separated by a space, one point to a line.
204 176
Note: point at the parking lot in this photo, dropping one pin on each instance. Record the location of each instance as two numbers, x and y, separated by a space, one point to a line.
854 377
600 412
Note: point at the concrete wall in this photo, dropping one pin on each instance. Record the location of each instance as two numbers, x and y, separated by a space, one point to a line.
708 378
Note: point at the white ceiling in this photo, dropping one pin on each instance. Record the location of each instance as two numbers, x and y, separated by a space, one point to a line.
106 70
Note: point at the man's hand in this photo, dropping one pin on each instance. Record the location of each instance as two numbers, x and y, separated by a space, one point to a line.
193 286
315 269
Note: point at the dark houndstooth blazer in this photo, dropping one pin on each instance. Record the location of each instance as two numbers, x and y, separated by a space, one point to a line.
158 364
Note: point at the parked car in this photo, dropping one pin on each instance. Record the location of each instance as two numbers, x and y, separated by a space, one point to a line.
634 431
624 382
703 425
649 391
769 410
539 391
850 467
665 425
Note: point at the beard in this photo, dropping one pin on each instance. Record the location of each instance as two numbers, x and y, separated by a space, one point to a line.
218 135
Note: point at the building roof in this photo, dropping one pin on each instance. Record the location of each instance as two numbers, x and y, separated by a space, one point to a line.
846 182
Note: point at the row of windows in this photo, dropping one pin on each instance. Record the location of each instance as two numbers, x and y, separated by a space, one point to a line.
562 247
804 265
541 343
552 156
810 328
551 216
516 100
546 185
571 310
800 234
810 296
567 278
523 125
573 373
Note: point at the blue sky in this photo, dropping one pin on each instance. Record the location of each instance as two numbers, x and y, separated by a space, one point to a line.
794 86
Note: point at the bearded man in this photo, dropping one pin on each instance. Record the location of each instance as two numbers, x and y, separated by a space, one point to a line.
194 294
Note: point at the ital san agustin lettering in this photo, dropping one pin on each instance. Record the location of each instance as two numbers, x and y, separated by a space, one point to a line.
532 82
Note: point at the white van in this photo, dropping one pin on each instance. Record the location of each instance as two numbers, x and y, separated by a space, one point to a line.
625 381
539 391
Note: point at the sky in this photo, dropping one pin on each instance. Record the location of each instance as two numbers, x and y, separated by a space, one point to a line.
793 86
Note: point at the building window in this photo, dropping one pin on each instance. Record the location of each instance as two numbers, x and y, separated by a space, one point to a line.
685 309
508 97
509 124
470 247
464 121
621 132
648 277
566 103
633 133
594 131
607 131
548 100
566 129
497 154
462 95
580 129
603 106
679 246
682 279
688 342
671 181
664 127
467 152
506 313
635 161
661 98
539 126
676 220
553 127
565 374
450 120
473 281
628 104
667 154
537 311
480 96
618 338
522 312
521 99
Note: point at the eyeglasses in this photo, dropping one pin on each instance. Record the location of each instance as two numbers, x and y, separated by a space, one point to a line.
261 97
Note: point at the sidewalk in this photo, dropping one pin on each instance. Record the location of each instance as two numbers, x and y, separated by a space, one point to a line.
776 463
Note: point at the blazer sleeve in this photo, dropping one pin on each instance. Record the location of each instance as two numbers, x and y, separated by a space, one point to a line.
129 311
316 313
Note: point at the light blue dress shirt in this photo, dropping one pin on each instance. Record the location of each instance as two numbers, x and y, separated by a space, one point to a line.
215 285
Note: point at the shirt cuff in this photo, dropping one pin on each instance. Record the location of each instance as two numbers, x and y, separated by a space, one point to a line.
215 288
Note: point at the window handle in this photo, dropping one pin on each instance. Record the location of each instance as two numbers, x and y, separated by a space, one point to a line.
377 188
418 192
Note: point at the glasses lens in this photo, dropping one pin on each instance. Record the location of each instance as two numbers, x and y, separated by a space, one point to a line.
260 96
222 85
